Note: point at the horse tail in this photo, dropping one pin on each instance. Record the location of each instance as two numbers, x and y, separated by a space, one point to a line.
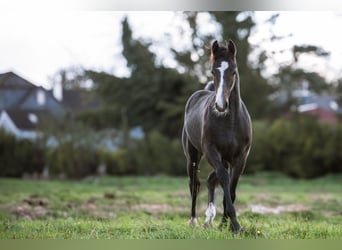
210 86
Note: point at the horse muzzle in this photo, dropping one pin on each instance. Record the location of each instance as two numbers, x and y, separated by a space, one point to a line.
222 106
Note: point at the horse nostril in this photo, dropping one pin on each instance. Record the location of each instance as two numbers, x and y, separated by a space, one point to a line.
221 109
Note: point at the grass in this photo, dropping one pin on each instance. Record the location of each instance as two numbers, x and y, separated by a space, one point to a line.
269 206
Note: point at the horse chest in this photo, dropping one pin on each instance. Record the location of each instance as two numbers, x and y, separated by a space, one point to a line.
226 140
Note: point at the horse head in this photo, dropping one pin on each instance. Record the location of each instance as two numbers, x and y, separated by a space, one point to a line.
224 70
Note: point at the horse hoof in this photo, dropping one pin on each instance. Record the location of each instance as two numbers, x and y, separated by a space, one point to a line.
207 225
193 222
236 228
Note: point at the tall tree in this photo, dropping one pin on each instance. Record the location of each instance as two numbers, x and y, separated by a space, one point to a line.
153 97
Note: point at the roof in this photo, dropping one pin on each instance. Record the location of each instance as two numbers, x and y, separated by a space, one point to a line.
12 80
18 93
324 102
14 90
323 115
30 119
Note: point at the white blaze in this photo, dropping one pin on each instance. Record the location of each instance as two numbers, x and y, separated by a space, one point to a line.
219 95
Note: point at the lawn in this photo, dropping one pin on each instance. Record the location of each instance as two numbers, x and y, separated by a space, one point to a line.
269 206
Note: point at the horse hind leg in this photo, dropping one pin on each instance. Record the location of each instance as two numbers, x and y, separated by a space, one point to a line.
193 158
194 186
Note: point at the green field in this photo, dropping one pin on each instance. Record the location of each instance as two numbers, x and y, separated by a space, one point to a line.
269 206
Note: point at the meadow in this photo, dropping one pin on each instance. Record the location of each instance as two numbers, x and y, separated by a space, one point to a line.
269 206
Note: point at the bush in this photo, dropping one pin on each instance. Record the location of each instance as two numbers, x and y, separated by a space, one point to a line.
301 147
73 160
19 156
151 155
116 162
157 154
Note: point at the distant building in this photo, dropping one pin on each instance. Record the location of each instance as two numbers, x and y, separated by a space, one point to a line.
324 107
24 107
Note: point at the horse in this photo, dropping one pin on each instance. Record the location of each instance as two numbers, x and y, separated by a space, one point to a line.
217 126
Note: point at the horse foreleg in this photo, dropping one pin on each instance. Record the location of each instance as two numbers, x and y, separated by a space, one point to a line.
229 210
235 175
236 172
223 177
211 210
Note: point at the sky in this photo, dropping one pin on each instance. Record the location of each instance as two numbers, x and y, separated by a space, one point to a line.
36 45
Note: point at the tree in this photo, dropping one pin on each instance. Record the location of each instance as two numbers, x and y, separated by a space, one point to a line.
153 97
71 78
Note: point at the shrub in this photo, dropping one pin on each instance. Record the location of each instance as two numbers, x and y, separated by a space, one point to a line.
157 154
19 156
73 160
151 155
116 162
300 147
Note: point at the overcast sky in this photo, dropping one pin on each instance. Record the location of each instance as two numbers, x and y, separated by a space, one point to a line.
36 45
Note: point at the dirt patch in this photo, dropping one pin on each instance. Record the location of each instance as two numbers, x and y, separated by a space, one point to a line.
29 212
35 200
321 197
32 207
181 194
156 209
260 209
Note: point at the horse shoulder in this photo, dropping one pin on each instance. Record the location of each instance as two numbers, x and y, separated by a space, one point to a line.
197 98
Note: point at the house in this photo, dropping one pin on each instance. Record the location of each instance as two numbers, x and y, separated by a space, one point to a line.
324 107
24 107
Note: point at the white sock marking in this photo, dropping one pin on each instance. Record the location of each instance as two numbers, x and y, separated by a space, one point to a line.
210 214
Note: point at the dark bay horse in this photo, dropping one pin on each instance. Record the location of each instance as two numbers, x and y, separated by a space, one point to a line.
217 126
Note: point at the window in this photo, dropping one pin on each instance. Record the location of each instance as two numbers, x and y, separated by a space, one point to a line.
41 98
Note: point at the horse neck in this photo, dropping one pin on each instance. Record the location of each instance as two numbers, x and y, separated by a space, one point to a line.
235 98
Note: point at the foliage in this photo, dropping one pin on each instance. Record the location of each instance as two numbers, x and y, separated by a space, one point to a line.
318 51
152 93
300 147
155 154
158 154
72 160
74 152
18 157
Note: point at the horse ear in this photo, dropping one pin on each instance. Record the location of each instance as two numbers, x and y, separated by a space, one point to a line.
232 47
214 47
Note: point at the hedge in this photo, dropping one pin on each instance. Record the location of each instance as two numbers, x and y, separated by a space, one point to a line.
300 147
